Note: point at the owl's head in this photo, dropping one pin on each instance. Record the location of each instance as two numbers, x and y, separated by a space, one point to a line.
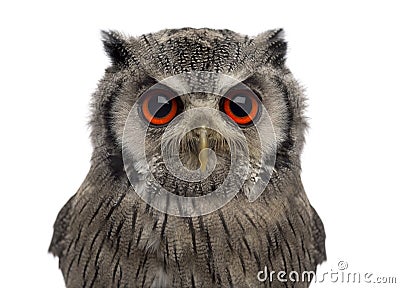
189 106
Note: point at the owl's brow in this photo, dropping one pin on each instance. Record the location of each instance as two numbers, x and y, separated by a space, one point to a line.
253 81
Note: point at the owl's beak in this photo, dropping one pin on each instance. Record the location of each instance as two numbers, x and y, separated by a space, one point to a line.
203 144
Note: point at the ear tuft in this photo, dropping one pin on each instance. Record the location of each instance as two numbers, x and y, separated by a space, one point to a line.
116 47
272 46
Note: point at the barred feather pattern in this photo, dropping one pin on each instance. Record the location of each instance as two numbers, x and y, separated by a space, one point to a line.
114 239
106 236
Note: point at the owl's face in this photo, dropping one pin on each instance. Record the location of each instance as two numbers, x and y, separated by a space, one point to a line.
192 91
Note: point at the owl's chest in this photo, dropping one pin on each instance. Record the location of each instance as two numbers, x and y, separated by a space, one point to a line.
228 246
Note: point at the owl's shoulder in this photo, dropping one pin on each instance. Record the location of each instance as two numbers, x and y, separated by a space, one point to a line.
319 237
60 229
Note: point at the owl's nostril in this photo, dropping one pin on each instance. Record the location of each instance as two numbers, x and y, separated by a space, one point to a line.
210 133
196 141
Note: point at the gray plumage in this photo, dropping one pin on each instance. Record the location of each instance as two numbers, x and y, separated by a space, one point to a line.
106 236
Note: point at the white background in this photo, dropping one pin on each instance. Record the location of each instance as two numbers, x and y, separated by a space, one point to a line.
345 53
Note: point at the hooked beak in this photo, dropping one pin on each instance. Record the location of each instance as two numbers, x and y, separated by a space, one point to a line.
203 144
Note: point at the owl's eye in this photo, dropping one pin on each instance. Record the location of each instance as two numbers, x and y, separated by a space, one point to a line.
159 106
241 105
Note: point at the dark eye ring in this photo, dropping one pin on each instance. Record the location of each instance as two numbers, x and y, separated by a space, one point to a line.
241 105
159 106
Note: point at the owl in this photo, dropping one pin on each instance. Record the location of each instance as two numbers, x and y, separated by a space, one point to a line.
195 172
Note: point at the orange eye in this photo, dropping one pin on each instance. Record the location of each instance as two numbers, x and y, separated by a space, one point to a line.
241 105
159 106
